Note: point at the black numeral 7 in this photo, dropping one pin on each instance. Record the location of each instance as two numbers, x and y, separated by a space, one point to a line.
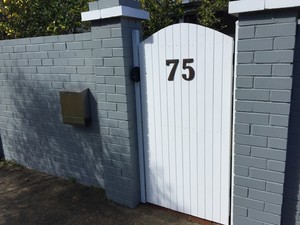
173 71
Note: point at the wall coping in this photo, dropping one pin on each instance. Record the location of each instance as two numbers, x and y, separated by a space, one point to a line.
243 6
116 11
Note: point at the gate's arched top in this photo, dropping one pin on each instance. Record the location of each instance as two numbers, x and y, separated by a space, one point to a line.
187 26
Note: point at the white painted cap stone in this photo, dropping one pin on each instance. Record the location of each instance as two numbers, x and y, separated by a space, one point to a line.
116 11
243 6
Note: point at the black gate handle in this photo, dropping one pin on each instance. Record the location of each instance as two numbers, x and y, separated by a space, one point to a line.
135 74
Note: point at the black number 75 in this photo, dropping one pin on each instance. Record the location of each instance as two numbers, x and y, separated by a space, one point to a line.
184 66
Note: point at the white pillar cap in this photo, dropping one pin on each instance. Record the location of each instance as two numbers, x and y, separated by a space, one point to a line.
115 11
243 6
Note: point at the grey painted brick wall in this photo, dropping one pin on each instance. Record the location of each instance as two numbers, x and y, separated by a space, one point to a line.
291 202
264 83
34 70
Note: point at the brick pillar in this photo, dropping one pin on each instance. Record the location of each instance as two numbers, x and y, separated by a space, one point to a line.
116 103
265 57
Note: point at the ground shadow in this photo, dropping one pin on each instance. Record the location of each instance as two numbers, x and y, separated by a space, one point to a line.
30 197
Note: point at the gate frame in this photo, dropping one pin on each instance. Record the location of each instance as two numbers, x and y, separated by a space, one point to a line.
136 63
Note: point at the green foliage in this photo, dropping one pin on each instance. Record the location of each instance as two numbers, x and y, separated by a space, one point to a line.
207 12
162 13
30 18
167 12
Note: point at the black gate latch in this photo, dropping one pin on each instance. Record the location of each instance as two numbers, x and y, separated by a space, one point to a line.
135 74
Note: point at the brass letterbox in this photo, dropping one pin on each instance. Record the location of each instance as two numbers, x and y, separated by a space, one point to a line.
75 107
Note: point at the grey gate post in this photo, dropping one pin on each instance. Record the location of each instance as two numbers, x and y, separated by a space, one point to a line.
264 77
113 22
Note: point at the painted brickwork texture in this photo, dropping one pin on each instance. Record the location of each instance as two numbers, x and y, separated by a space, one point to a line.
34 70
264 82
291 202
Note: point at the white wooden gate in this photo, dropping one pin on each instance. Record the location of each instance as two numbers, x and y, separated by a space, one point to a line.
186 103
